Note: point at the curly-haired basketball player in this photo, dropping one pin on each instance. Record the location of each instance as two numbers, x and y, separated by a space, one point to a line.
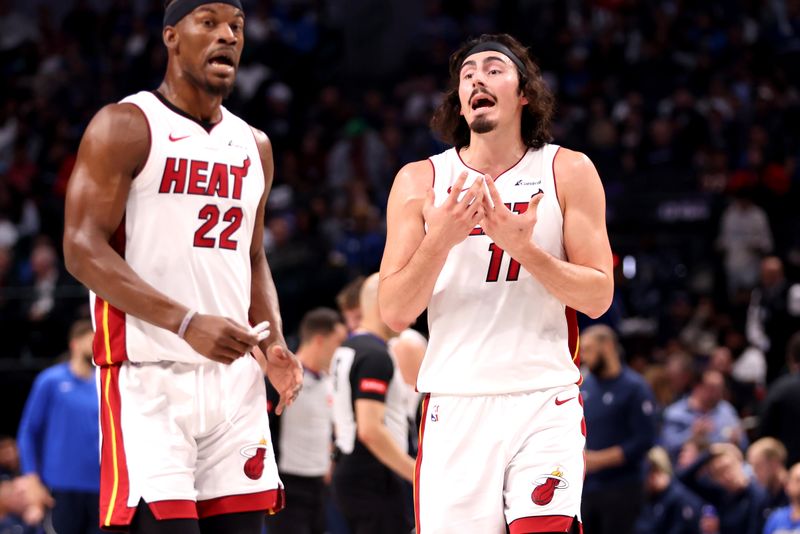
502 238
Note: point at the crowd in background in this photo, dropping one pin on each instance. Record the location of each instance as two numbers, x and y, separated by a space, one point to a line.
689 109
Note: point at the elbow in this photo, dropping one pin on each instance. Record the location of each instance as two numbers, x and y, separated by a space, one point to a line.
395 318
601 304
366 435
76 254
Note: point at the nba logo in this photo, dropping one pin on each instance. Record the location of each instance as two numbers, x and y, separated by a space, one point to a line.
435 413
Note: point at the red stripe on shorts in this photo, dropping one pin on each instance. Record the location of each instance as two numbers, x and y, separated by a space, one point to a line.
542 523
114 484
270 502
418 466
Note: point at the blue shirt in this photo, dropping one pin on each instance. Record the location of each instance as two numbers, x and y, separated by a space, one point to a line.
679 418
674 511
781 522
58 435
619 411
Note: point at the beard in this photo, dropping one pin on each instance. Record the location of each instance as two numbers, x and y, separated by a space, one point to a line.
598 367
213 88
482 125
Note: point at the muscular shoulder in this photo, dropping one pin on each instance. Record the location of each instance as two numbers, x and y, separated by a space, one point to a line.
122 132
575 175
262 142
415 178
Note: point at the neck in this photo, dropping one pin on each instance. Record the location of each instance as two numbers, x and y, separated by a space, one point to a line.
494 152
309 359
79 366
370 325
795 510
188 97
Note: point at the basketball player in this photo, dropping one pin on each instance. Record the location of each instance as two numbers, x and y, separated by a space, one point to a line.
503 238
164 222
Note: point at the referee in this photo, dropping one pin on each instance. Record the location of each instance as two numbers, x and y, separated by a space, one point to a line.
371 422
302 434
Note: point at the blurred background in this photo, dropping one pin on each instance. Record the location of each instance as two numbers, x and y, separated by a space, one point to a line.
689 109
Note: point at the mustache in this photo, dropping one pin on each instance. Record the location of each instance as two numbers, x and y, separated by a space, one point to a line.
480 90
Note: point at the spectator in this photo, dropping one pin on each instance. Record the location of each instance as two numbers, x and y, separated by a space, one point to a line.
58 440
302 434
771 319
703 413
786 520
719 478
670 508
767 458
781 409
744 238
371 426
348 302
620 428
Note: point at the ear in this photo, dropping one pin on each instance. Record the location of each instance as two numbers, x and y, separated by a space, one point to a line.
523 100
170 37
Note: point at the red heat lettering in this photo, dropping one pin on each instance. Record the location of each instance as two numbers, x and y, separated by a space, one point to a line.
197 179
174 178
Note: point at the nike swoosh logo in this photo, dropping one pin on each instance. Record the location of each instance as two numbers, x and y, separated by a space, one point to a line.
560 402
173 139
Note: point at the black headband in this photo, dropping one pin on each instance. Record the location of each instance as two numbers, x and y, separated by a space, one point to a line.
494 46
180 8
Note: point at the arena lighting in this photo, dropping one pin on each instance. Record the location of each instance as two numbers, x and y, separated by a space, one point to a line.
629 267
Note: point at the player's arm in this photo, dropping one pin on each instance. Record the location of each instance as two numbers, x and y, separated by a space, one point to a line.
282 367
372 432
412 257
113 150
584 281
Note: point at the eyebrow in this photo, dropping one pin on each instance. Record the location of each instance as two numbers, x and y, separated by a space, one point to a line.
472 62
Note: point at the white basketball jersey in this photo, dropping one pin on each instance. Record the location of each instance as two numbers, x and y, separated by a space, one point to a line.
494 328
187 229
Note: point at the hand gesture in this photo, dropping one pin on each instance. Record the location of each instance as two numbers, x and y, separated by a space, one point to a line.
510 231
450 223
219 338
34 498
285 373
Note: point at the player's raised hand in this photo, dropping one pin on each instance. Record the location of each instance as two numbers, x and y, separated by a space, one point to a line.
510 231
451 222
219 338
285 373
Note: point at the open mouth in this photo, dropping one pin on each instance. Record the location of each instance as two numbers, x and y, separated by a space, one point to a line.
482 101
222 60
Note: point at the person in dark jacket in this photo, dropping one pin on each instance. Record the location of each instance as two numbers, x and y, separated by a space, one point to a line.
670 508
719 478
620 428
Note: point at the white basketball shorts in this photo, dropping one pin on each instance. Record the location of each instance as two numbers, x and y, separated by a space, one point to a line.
191 440
490 461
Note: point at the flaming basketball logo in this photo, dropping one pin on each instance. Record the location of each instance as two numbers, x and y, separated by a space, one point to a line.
254 466
546 486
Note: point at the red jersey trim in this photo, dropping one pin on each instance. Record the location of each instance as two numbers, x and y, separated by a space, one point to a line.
173 509
373 385
555 182
543 523
495 178
270 501
418 466
114 483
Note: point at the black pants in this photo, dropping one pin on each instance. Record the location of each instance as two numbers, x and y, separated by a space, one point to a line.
613 510
75 512
304 512
372 504
238 523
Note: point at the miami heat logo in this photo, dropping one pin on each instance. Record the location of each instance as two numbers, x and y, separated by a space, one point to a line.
254 465
546 486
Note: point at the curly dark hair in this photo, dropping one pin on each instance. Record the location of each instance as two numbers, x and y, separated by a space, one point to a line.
451 127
